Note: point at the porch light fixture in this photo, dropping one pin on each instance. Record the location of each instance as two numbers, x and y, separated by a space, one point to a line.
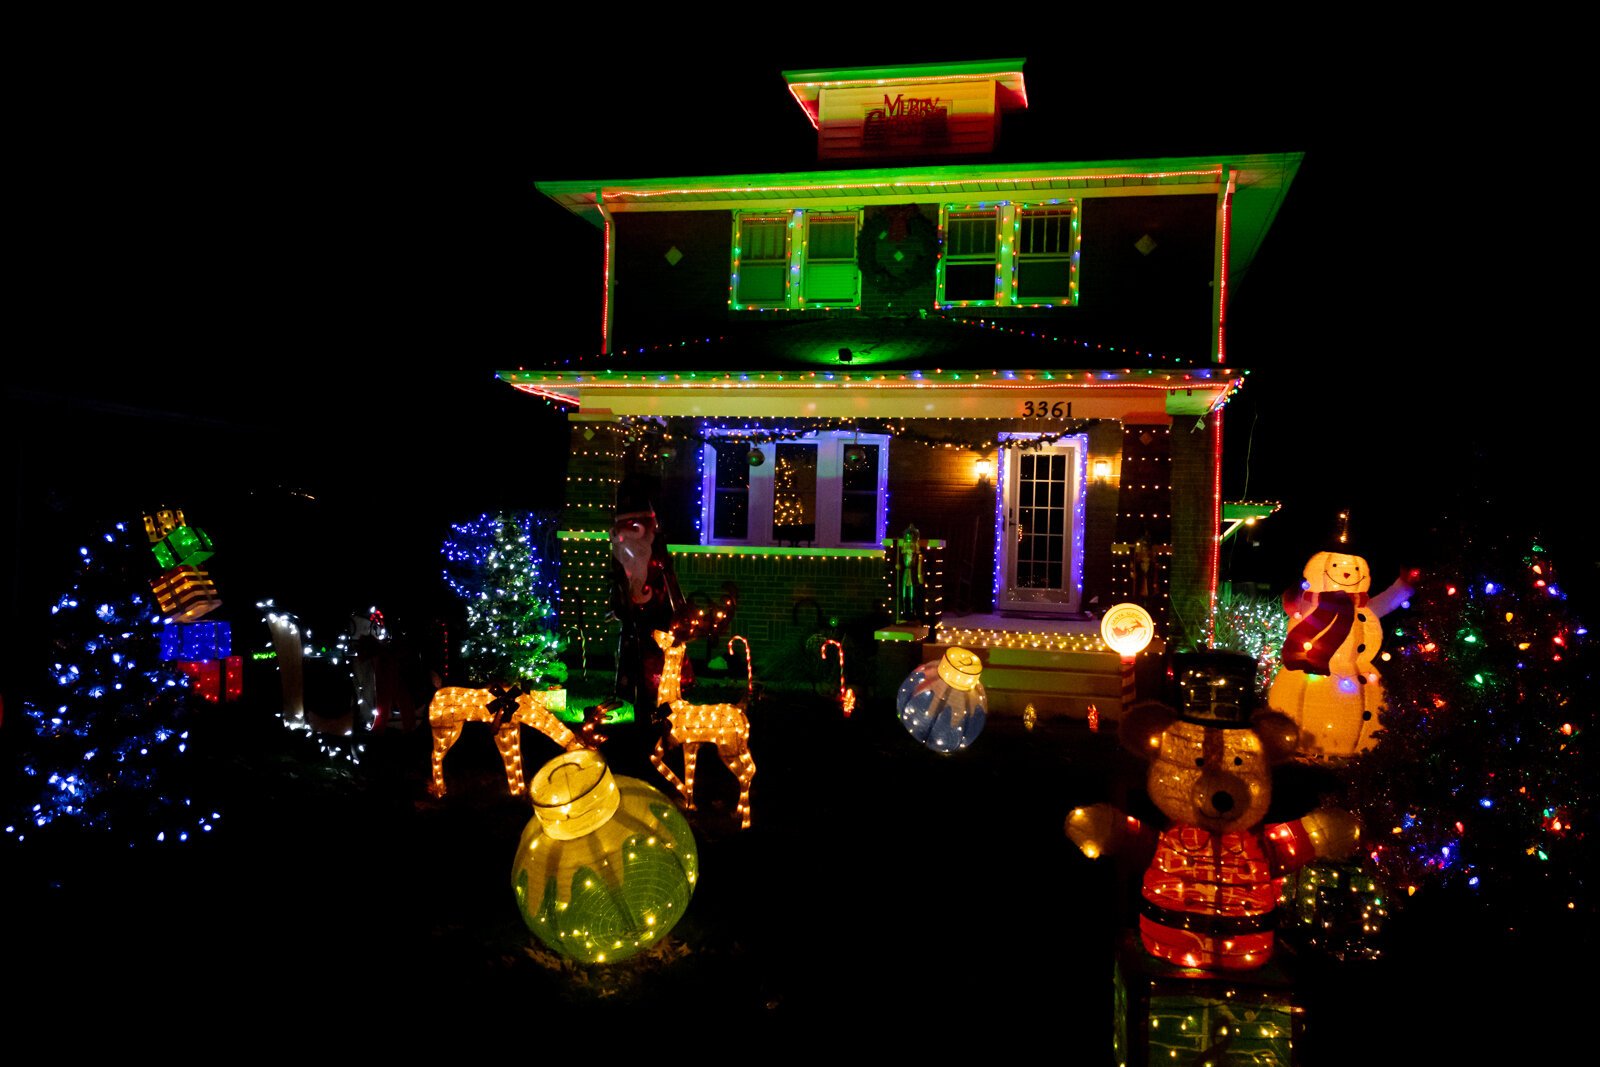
1102 470
982 468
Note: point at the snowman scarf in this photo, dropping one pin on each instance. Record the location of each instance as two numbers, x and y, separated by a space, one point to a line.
1315 638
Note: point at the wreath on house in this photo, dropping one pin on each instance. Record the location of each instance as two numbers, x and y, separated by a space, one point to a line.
898 245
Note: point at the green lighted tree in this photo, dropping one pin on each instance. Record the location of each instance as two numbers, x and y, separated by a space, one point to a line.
508 638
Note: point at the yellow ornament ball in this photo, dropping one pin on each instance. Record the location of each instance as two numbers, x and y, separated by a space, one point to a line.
607 864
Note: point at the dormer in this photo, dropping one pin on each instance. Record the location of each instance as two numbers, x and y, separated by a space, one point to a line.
917 111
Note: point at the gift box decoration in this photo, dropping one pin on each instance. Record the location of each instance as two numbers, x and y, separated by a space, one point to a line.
1336 908
185 594
1165 1014
162 522
185 546
196 641
216 680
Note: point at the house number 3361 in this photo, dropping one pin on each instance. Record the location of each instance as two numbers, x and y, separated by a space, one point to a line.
1046 409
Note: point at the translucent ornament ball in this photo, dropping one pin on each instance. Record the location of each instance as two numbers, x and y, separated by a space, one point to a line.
942 703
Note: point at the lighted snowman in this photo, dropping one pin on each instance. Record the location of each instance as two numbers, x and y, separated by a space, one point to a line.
1329 684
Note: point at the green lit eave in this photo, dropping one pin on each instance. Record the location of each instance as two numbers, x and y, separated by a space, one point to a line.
976 68
1237 513
1259 185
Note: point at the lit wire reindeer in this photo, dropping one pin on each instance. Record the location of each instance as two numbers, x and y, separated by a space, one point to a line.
508 711
692 725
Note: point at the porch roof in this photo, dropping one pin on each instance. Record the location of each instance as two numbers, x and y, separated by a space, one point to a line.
1044 393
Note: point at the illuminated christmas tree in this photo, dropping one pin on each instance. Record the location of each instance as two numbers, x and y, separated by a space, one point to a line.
787 507
112 728
508 639
1481 781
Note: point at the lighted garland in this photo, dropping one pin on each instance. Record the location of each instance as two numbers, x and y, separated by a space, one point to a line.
651 431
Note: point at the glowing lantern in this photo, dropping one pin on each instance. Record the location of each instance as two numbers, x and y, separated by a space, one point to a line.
1328 684
1127 628
942 703
607 864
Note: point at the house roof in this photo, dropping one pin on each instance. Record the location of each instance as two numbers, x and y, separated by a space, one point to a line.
1258 184
847 340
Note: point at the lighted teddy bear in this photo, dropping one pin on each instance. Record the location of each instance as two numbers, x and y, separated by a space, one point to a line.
1212 887
1328 684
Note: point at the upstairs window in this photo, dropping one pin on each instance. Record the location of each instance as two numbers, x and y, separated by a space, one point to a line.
828 490
795 259
1008 255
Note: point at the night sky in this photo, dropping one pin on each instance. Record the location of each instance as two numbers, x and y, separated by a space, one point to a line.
272 285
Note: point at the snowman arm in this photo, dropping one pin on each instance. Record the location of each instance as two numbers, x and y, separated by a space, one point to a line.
1391 598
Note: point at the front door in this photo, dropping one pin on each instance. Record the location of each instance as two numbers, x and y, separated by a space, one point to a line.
1041 528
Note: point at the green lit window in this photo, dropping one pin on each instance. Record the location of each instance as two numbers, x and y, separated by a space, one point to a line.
796 259
1008 254
827 490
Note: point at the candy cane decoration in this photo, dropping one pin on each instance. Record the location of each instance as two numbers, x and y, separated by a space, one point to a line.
583 646
847 697
749 668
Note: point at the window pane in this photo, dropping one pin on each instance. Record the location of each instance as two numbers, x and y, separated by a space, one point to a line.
763 261
762 239
732 520
970 235
794 493
733 464
1044 280
858 498
861 468
968 281
831 239
731 503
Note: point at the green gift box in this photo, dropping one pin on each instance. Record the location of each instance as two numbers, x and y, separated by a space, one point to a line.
184 546
1335 908
1165 1014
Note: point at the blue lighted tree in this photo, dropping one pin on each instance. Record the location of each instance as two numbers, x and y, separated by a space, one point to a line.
110 720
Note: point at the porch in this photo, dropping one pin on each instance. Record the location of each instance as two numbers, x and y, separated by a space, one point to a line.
1057 664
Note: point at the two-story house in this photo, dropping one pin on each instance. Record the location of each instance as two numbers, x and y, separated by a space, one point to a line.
1015 372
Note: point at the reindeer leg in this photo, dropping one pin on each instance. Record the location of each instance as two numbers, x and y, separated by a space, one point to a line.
691 753
660 764
744 769
508 739
444 735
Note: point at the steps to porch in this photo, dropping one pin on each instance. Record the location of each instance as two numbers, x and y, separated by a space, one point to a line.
1060 666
